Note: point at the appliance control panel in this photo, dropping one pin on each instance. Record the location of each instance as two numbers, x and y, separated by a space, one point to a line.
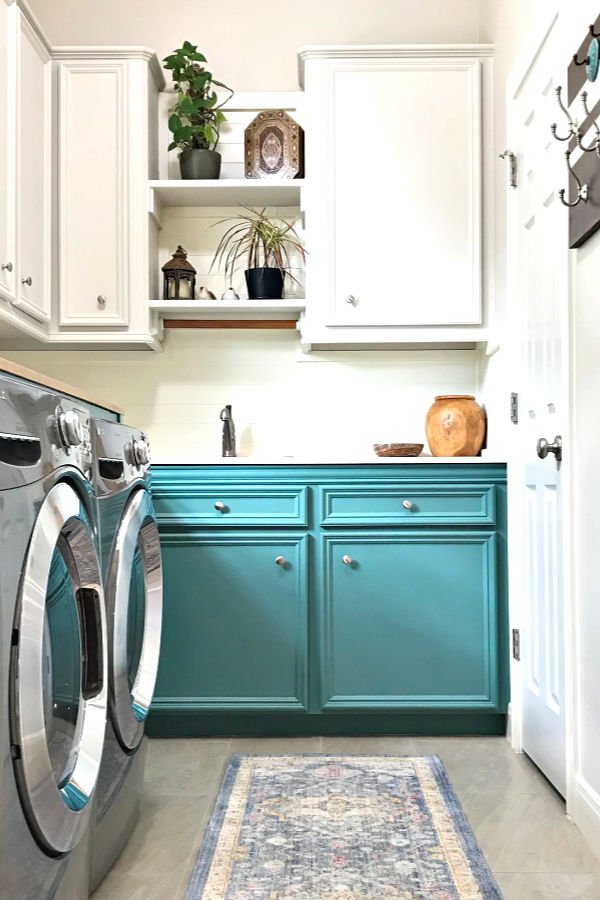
70 435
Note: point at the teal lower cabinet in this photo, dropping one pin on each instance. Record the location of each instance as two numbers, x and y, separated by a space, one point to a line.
332 599
236 621
409 621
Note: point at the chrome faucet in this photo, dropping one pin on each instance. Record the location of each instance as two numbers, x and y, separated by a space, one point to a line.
228 432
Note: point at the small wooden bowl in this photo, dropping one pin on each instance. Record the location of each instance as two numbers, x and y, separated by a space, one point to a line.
397 449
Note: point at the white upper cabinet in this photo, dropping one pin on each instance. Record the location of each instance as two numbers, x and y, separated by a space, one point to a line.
107 103
34 172
7 156
25 173
394 197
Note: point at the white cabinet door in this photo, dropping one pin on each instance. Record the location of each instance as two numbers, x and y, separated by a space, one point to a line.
93 192
394 218
34 160
7 154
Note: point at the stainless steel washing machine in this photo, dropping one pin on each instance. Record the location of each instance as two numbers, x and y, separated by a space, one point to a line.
53 645
132 573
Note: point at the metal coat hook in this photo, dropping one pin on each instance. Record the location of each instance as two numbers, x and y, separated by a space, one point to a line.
596 143
582 62
582 189
573 129
593 33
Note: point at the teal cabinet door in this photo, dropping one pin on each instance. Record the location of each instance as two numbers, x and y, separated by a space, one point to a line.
234 622
409 620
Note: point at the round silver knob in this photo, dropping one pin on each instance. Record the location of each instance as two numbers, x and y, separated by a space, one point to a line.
280 560
141 452
347 560
8 266
27 280
351 299
407 504
69 428
544 448
101 300
219 505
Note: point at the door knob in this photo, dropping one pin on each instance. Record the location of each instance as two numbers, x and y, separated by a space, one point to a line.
281 561
27 280
544 448
347 560
8 266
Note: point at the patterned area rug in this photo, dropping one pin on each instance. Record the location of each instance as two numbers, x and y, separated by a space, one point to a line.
315 827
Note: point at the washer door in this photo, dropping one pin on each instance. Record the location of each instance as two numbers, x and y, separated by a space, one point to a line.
59 661
134 604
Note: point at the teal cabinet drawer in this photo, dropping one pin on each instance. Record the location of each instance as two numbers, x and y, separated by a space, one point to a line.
235 622
391 504
227 505
410 620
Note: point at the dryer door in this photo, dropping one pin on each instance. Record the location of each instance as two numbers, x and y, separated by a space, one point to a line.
58 691
134 603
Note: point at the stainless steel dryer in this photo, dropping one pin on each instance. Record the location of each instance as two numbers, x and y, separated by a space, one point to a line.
53 662
132 572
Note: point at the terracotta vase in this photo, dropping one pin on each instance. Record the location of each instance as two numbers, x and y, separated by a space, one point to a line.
455 426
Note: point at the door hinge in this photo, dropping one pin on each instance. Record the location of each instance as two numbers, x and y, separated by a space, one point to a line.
516 644
514 408
512 167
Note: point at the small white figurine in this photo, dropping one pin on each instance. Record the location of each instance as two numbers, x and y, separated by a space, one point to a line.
205 294
230 294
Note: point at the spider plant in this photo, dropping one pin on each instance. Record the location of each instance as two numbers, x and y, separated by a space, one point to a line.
266 243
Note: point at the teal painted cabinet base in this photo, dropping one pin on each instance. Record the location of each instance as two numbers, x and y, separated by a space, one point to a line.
332 599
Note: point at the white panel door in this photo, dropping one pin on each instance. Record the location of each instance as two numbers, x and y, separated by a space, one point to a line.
404 169
93 211
539 317
34 161
7 153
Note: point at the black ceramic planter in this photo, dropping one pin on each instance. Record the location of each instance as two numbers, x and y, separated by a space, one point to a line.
264 284
196 164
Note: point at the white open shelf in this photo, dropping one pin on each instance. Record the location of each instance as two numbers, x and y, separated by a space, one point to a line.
222 309
227 192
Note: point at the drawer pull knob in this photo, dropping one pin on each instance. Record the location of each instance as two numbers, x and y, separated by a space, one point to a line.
280 560
219 505
407 504
101 300
8 266
347 560
351 299
28 281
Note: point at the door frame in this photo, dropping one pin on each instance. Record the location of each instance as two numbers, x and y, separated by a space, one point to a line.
547 19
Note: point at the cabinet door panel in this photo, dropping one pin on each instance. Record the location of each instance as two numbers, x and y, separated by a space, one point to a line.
34 153
7 153
407 206
93 211
235 623
411 622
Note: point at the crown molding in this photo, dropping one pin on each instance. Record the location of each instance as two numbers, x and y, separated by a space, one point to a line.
104 53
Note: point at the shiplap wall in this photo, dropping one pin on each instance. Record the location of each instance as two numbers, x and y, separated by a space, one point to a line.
283 402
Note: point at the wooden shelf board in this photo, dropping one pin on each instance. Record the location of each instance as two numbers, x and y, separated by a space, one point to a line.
270 324
228 192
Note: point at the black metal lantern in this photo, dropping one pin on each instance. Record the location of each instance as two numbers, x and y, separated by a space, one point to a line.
179 279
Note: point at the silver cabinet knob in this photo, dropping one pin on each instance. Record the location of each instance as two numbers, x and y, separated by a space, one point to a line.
101 300
8 266
219 505
544 448
407 504
351 299
27 280
346 559
280 560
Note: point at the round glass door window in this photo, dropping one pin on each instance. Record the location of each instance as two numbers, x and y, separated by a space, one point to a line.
134 603
58 698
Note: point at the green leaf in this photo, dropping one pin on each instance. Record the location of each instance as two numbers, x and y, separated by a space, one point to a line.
174 123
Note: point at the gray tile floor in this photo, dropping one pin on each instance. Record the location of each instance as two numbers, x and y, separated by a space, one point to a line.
519 821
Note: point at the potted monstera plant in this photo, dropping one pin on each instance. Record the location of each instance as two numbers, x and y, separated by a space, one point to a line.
267 244
196 117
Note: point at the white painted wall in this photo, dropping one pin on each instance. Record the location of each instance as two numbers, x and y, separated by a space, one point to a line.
252 44
282 400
